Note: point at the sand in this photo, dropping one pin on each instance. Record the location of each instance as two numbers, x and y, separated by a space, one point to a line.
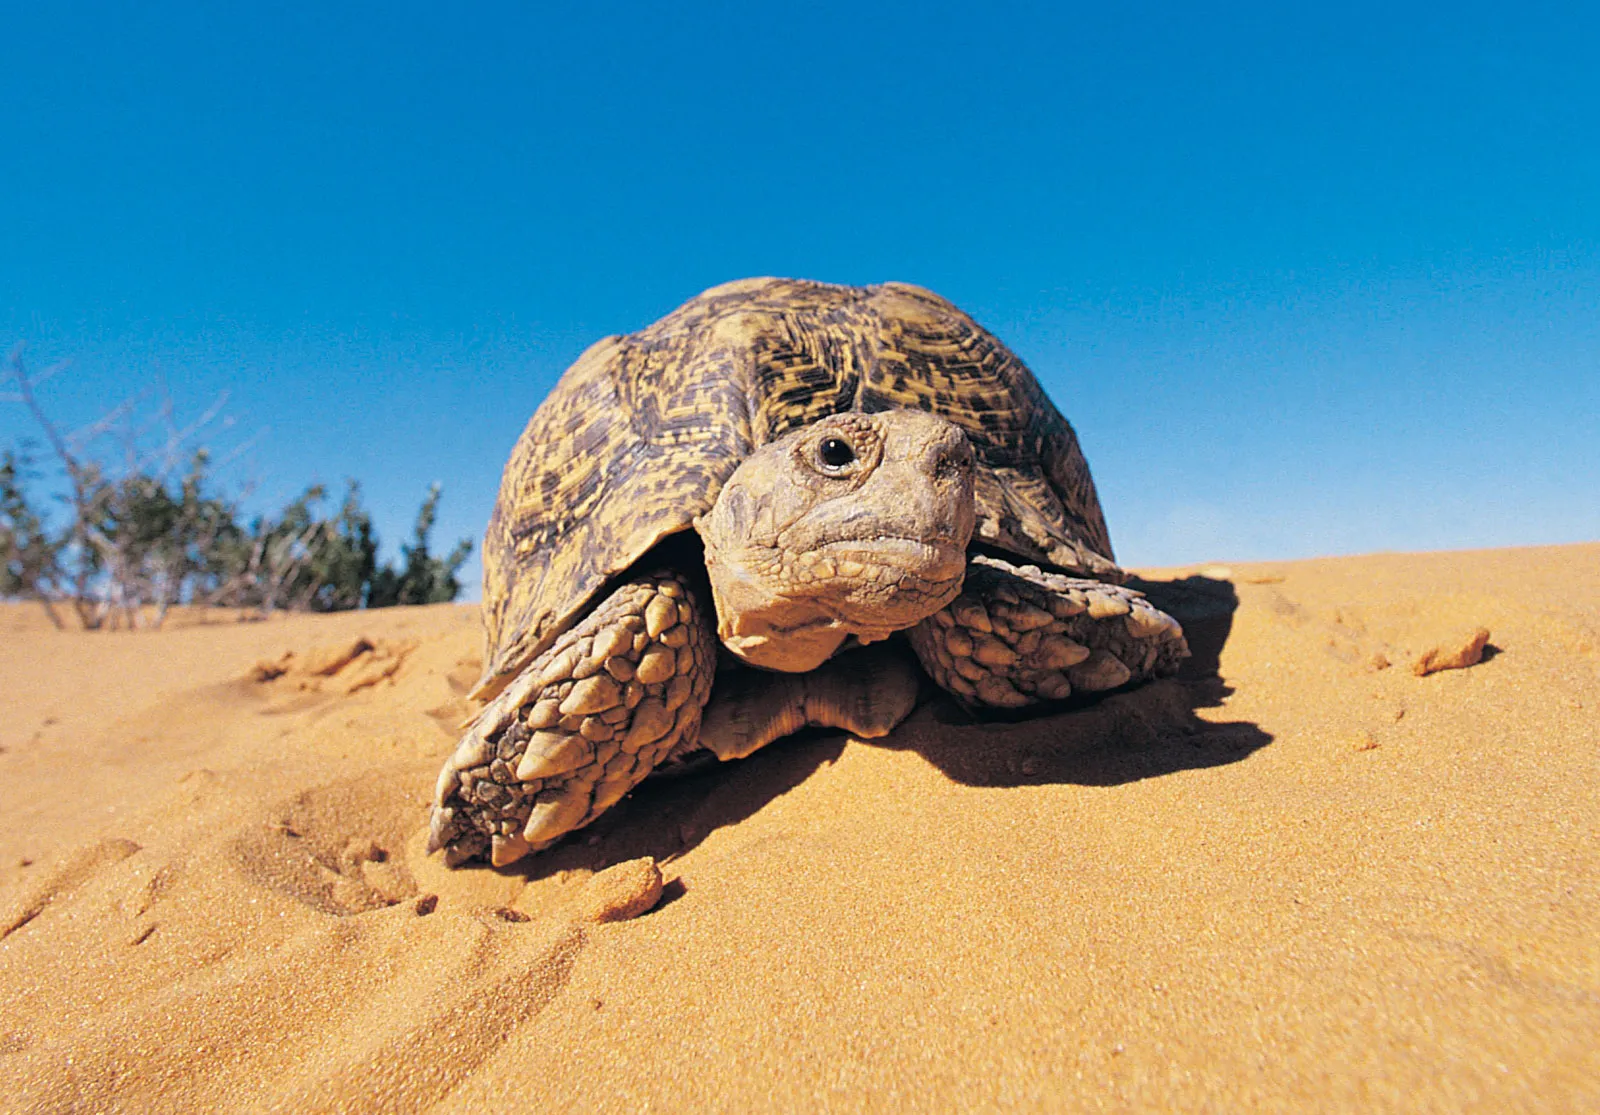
1300 876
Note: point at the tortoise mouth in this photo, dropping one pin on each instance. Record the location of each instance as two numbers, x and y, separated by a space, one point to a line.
878 585
885 558
787 610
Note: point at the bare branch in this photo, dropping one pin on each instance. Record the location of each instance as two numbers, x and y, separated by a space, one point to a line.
238 451
51 372
170 452
100 427
19 373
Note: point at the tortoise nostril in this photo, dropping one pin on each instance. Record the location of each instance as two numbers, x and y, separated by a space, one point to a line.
950 462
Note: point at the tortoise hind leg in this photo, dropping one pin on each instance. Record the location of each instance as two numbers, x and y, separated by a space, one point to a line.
1017 636
580 726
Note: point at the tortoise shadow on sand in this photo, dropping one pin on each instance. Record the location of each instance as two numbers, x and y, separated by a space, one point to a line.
1144 732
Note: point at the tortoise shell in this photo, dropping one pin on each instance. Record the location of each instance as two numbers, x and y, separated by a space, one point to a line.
639 435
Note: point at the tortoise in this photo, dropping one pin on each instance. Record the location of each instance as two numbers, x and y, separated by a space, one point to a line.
711 528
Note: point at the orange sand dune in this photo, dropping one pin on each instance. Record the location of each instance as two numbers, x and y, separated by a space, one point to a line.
1304 880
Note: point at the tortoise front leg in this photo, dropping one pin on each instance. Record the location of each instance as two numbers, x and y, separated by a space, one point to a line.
1017 636
581 725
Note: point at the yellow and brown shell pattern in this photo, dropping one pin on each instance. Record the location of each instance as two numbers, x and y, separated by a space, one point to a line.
639 435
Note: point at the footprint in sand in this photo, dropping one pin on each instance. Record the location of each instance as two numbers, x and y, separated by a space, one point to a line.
335 848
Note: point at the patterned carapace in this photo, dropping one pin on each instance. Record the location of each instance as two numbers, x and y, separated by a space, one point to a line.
642 431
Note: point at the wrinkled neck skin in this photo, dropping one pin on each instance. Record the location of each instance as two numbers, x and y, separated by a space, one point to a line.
856 525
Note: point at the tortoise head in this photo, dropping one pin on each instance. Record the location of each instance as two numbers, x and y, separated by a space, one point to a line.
857 524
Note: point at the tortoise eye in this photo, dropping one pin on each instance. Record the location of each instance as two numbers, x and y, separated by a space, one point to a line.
835 452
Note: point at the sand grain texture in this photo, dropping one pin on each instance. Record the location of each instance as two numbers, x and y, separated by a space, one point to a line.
1312 878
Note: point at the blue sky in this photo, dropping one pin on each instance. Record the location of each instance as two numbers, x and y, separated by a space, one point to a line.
1307 279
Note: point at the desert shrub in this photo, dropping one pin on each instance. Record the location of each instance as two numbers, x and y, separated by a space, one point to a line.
422 578
30 556
136 536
